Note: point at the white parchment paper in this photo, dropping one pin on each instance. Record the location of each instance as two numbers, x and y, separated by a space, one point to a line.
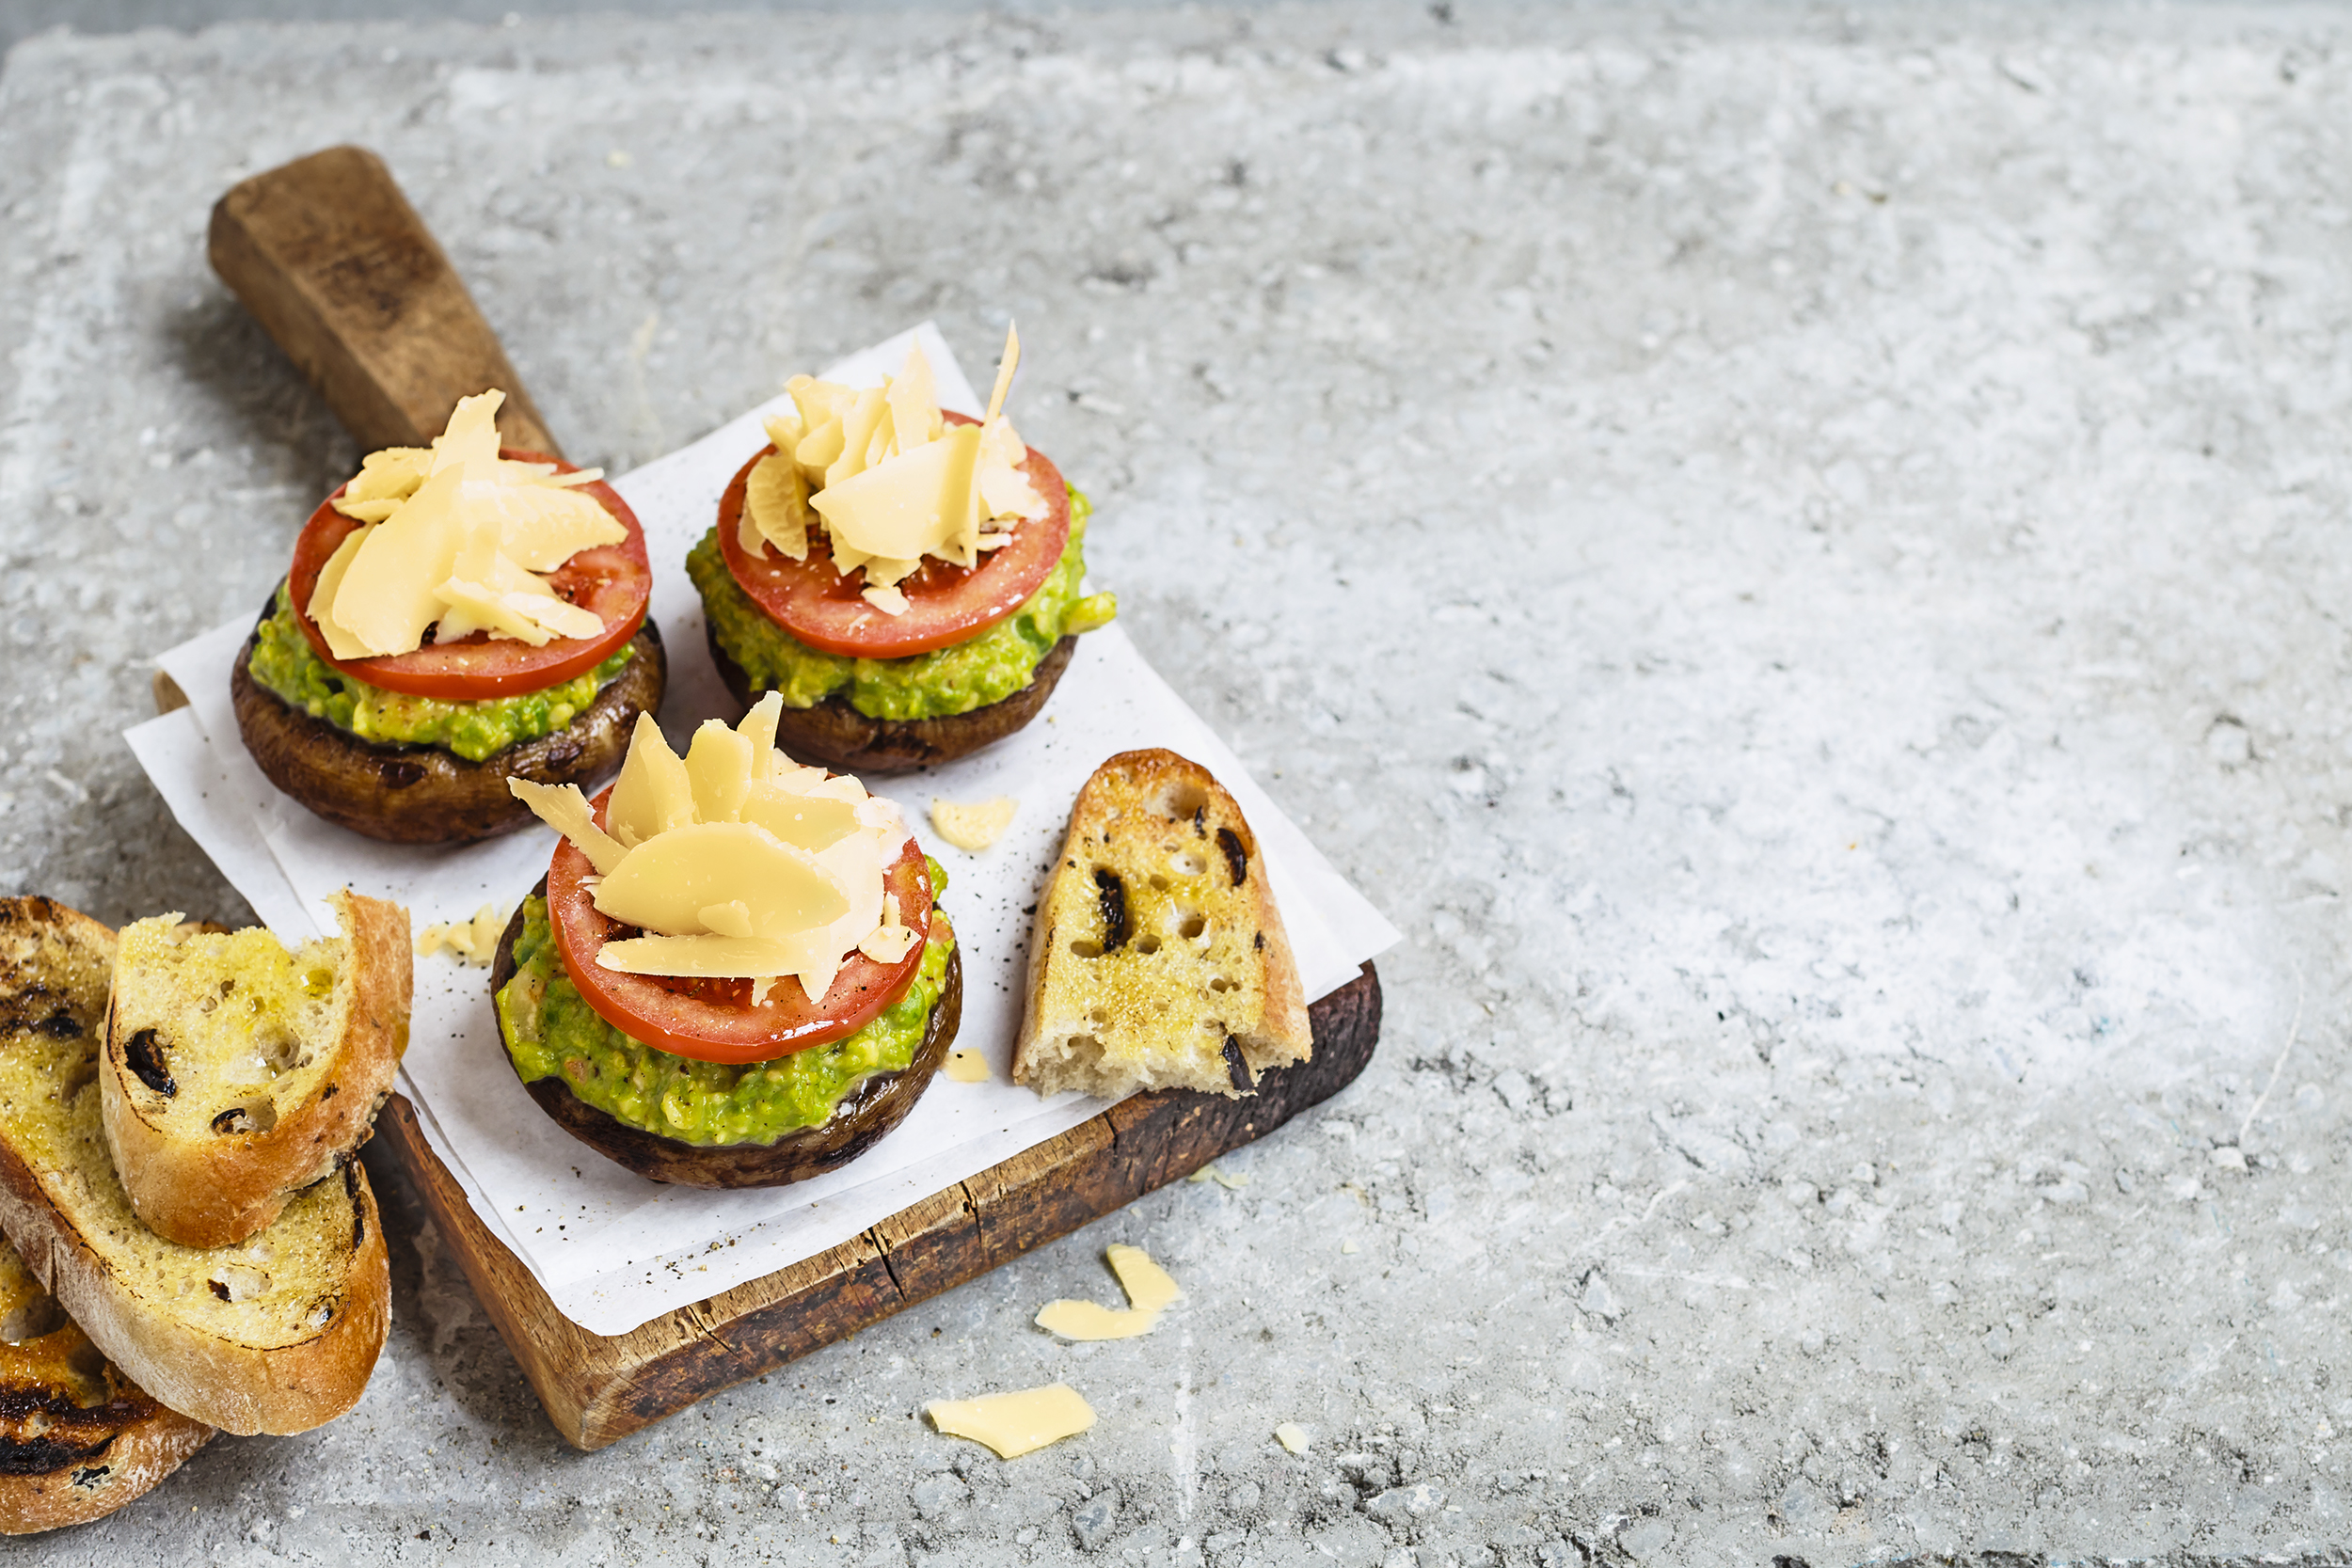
613 1249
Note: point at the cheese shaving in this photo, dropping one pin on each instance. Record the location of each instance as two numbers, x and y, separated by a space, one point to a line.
888 943
454 543
735 861
1292 1436
973 828
471 941
1015 1424
1149 1288
888 479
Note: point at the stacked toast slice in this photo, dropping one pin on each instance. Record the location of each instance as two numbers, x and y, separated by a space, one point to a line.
276 1332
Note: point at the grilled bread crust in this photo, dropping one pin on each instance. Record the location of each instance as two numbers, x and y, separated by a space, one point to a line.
1159 959
277 1335
77 1438
208 1164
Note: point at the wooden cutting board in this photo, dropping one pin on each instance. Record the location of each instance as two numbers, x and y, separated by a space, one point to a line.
337 268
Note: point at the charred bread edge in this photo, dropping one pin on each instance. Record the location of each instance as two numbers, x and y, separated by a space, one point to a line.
136 1441
425 795
833 733
222 1189
862 1118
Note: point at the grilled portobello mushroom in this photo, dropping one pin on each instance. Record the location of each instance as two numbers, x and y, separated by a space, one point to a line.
863 1116
425 795
836 735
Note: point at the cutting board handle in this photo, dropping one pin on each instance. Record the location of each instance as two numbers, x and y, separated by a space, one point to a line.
341 271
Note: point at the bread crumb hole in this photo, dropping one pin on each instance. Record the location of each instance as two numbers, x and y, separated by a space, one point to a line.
1219 983
1086 949
42 1315
1191 925
1187 864
235 1283
88 1362
1159 882
1098 1016
1183 801
1147 944
259 1117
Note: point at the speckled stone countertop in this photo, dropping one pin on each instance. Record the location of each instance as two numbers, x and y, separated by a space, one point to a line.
1800 556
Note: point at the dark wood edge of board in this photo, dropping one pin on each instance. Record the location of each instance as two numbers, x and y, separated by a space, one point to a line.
598 1389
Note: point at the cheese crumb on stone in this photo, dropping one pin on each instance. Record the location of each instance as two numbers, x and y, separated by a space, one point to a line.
1148 1287
1018 1423
969 1066
1149 1290
973 826
1292 1436
1210 1172
471 941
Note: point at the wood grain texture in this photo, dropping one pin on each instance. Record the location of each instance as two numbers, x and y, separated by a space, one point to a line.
598 1389
337 268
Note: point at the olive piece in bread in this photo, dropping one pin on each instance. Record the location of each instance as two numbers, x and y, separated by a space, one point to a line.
426 794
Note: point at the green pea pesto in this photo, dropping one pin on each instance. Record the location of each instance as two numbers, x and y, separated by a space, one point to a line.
284 663
549 1028
981 670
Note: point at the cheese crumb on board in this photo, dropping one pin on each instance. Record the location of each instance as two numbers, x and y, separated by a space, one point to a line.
1210 1172
1292 1436
1017 1423
1149 1290
471 941
972 826
969 1066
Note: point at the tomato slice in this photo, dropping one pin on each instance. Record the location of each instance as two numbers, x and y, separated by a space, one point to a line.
946 604
713 1021
613 580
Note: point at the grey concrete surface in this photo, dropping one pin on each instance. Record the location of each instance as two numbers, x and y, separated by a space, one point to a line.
1799 554
23 18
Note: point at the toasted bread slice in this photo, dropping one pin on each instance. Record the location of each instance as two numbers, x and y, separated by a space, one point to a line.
77 1438
237 1073
278 1334
1159 960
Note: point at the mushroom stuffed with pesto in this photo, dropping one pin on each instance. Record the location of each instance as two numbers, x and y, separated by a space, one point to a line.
456 616
910 581
735 973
